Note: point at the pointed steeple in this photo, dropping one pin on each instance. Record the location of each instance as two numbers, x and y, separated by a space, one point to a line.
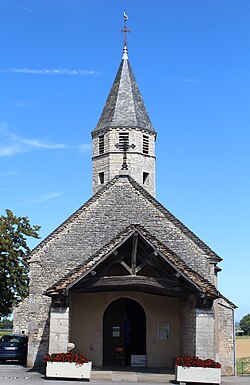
124 106
124 138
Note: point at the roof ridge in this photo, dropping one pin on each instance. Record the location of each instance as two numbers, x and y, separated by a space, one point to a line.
179 259
73 216
150 198
170 255
175 220
92 257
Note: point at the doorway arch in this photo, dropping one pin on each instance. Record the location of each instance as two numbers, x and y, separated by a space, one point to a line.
124 325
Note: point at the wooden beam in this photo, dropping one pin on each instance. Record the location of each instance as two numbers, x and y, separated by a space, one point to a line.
126 267
141 266
130 283
134 253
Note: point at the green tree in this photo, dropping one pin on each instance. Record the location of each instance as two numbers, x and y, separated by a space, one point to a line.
6 324
14 269
245 324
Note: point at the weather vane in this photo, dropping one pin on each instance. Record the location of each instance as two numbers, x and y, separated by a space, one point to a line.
125 28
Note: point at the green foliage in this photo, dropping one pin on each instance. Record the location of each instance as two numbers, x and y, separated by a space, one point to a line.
4 332
242 337
243 365
245 324
6 324
13 259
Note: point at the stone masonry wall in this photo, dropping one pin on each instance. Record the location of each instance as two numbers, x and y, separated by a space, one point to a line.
39 314
208 333
111 161
21 317
59 330
226 337
205 334
187 327
93 226
38 328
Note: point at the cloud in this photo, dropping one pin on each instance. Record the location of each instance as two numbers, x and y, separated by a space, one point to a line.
39 144
47 196
84 147
12 144
19 6
9 150
48 71
41 198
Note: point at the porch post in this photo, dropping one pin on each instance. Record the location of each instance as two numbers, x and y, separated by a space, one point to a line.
59 330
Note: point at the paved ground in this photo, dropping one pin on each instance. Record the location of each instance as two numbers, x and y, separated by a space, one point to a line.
18 375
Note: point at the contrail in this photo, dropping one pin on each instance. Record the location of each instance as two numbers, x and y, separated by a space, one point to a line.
19 6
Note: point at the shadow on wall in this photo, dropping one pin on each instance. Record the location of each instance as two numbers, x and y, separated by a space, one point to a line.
42 350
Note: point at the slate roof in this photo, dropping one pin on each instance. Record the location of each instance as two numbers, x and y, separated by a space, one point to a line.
124 106
169 216
202 284
213 256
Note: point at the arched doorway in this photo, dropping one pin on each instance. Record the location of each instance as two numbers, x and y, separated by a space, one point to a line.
124 325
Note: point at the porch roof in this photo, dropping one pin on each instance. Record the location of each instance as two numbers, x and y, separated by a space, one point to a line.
166 257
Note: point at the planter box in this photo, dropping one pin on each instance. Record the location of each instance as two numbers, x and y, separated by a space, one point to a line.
68 370
196 374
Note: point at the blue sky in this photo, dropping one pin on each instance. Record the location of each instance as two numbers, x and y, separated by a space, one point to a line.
191 59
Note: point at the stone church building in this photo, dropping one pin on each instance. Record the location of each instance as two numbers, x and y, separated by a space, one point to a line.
122 271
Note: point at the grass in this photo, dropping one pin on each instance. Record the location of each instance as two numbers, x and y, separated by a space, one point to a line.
3 332
246 367
242 337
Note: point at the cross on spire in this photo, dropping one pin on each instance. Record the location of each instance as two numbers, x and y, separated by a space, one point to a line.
124 146
125 29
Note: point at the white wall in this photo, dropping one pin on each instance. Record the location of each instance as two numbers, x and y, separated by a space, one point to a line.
87 325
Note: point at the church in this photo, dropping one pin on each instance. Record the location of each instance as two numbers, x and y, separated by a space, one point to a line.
122 274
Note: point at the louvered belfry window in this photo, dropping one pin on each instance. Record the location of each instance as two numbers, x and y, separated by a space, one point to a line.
145 144
101 144
123 138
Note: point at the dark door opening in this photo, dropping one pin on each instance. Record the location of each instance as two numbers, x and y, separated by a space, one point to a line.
124 326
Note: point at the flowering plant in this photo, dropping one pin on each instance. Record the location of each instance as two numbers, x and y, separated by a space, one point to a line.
192 361
66 357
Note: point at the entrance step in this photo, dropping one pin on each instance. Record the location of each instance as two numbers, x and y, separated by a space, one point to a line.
130 376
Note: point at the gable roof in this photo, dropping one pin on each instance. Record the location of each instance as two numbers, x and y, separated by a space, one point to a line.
213 257
124 106
199 283
185 230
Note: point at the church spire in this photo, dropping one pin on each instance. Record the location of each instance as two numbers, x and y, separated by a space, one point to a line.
124 106
124 119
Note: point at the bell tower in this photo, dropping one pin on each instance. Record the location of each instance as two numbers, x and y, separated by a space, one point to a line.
124 138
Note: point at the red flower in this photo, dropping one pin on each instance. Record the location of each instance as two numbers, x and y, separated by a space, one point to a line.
191 361
66 357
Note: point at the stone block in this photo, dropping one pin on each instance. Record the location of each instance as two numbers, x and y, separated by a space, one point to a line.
60 329
63 338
